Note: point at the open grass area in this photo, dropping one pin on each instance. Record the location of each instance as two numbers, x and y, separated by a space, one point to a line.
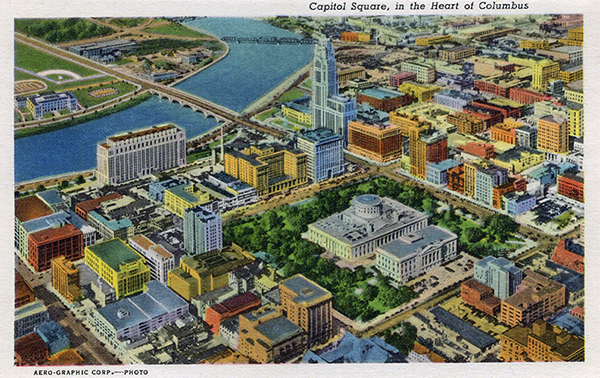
307 84
216 143
86 100
62 87
290 95
123 61
58 77
198 155
266 114
37 61
175 29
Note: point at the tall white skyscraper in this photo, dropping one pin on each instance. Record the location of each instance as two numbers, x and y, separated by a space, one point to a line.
202 231
139 153
329 109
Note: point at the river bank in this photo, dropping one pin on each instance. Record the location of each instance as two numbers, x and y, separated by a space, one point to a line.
134 101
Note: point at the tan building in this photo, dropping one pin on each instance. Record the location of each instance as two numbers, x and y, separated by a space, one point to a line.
268 168
553 134
199 274
66 278
266 336
433 39
379 143
541 342
457 54
536 298
466 123
309 306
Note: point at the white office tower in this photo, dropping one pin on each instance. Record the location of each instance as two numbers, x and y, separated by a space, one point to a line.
139 153
202 231
329 109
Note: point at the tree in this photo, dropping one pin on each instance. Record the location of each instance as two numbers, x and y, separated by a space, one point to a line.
501 227
64 184
473 234
40 188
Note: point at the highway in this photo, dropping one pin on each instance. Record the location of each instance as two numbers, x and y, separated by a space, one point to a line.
219 111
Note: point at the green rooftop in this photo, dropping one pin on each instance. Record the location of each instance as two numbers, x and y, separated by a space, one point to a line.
115 252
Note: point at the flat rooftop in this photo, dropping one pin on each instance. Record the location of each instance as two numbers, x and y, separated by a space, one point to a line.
306 291
278 329
471 334
381 93
318 135
115 252
32 207
417 241
143 132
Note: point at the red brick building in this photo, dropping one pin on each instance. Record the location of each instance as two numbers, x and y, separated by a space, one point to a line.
500 191
30 350
526 96
456 179
491 87
569 254
506 110
400 77
489 117
384 99
480 296
230 308
483 150
571 185
83 208
520 184
578 312
50 243
437 151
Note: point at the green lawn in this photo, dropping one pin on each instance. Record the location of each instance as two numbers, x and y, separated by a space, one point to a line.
123 61
61 87
35 60
86 100
175 29
58 77
301 124
216 143
269 113
307 84
126 22
198 155
290 95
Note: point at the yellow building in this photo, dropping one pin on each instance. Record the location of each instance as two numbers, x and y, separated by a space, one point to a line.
419 92
575 119
434 39
534 44
572 74
182 197
519 159
471 175
574 95
119 265
541 342
66 278
268 168
544 72
199 274
380 143
575 34
296 114
571 42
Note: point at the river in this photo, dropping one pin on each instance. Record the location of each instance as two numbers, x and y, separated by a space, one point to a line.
247 73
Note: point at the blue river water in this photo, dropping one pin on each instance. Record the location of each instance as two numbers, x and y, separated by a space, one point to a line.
247 73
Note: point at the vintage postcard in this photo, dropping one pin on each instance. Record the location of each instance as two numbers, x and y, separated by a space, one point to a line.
346 187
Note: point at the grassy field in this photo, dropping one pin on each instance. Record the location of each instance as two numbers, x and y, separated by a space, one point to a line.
198 155
61 30
86 100
266 114
126 22
62 87
307 84
58 77
175 29
290 95
216 143
35 60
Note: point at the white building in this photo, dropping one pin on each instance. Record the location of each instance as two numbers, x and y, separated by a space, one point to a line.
425 73
202 231
132 318
324 152
40 105
158 259
140 153
370 222
416 253
329 109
